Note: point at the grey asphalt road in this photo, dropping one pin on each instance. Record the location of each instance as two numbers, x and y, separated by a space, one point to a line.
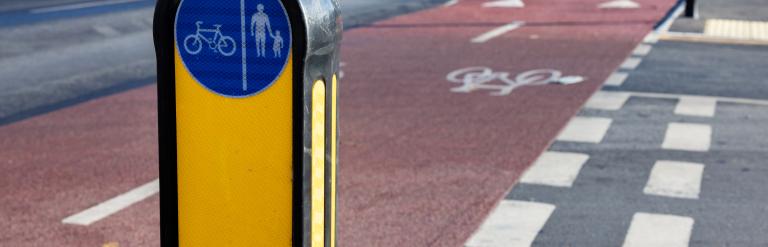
610 189
78 55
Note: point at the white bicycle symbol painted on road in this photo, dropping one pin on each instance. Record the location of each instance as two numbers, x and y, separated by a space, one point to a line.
220 43
483 78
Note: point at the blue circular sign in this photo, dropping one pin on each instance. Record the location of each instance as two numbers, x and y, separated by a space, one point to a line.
235 48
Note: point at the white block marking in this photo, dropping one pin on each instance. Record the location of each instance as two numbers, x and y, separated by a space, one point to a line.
105 30
504 4
642 50
675 179
555 169
512 224
631 63
619 4
496 32
688 137
651 38
659 230
605 100
696 106
585 129
114 205
450 3
616 79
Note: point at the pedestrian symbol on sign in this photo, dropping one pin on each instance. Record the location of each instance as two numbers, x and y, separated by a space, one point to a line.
225 50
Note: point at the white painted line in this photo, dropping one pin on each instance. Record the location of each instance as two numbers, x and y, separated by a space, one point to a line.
631 63
718 99
79 6
114 205
616 79
651 38
619 4
696 106
585 129
642 50
606 100
106 31
450 3
675 179
659 230
555 169
688 137
497 32
504 4
512 224
664 27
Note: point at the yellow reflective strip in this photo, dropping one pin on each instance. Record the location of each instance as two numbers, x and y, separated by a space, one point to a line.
318 164
334 118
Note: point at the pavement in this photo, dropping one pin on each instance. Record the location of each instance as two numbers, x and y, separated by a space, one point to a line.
458 129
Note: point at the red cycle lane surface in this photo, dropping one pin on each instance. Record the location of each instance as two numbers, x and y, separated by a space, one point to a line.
419 165
59 164
422 165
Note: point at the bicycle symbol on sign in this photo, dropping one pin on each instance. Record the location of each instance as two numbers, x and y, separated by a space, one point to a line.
219 43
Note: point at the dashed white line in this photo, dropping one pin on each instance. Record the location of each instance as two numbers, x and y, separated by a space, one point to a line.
605 100
675 179
497 32
642 50
105 30
450 3
659 230
718 99
79 6
696 106
504 4
688 137
651 38
555 169
585 129
631 63
512 224
616 79
619 4
114 205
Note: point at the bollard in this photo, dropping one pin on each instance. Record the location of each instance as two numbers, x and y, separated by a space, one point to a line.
690 9
247 119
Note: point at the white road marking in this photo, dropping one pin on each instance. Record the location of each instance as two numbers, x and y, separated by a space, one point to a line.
631 63
585 129
619 4
450 3
651 38
696 106
616 79
105 30
555 169
504 4
606 100
642 50
664 27
512 224
675 179
659 230
496 32
114 205
718 99
688 137
79 6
